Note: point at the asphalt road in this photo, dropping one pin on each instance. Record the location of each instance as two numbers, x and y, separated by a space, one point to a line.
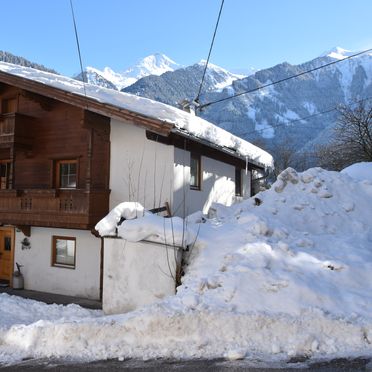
359 364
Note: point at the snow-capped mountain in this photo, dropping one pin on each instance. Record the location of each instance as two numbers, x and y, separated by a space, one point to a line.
155 64
174 86
337 53
218 76
96 77
271 115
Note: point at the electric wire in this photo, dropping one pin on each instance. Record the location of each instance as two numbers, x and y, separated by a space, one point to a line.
303 118
78 47
283 80
210 51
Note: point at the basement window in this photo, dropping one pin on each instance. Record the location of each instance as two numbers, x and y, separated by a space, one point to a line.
195 171
64 251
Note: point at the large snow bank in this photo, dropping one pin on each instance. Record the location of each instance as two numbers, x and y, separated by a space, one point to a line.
359 171
288 273
180 119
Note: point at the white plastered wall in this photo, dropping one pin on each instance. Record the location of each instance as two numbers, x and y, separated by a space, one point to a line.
40 275
136 274
217 185
141 170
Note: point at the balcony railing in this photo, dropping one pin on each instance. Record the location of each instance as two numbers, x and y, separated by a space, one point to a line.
53 208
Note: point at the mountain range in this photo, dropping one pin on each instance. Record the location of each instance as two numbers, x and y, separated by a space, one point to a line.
155 64
288 114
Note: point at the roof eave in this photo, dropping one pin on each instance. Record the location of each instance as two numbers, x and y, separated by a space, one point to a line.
226 150
87 103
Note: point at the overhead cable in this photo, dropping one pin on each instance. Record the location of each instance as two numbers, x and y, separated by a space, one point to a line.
78 47
210 51
284 79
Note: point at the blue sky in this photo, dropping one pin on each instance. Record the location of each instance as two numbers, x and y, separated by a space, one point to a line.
117 33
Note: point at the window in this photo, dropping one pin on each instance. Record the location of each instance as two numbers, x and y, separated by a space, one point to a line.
66 174
238 182
63 251
195 171
4 174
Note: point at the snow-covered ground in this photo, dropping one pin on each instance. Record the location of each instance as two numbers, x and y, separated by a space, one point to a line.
287 273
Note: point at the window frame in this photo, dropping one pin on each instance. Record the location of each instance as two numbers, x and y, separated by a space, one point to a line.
197 185
54 252
58 177
238 182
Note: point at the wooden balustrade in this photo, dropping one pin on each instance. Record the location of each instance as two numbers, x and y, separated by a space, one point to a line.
53 208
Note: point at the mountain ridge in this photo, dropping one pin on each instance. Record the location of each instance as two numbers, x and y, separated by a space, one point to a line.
272 117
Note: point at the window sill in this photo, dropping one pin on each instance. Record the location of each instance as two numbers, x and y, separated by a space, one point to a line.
195 188
64 266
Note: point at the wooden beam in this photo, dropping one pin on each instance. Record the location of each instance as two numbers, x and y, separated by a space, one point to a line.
26 229
45 103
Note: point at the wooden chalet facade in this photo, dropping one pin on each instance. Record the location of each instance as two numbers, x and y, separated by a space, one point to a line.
62 167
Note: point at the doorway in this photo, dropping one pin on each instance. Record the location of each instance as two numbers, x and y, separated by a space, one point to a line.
6 255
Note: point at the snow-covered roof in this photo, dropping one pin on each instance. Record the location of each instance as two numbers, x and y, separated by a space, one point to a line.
180 120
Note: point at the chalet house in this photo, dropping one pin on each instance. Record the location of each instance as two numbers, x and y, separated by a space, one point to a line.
69 152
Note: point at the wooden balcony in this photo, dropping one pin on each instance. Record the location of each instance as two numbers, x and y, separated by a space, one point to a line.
73 208
15 130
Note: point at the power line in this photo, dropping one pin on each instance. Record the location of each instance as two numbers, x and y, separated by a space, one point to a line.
282 80
78 47
210 51
303 118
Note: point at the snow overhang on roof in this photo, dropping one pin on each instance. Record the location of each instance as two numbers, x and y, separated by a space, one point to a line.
153 115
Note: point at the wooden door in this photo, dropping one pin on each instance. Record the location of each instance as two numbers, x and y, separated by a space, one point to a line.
6 253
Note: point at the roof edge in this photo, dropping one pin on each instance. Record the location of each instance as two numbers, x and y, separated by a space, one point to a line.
87 103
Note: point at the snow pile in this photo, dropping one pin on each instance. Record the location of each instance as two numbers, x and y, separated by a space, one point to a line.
303 245
359 171
172 231
128 210
287 273
139 224
16 310
181 120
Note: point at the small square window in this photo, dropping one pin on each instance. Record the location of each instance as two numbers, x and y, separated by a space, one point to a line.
64 251
66 174
195 171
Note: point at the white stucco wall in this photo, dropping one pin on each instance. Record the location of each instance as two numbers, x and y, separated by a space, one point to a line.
217 184
136 274
40 275
141 170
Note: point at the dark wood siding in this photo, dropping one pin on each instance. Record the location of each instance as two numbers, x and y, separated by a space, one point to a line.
45 131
